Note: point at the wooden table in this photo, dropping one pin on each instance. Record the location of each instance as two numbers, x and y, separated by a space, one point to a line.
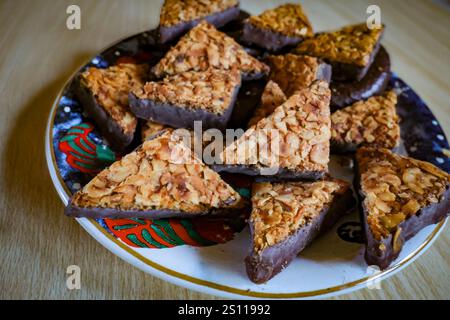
37 55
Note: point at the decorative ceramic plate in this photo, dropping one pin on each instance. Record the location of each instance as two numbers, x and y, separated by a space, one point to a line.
207 255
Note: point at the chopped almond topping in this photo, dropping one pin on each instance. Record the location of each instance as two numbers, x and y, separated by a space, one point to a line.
212 90
296 136
204 47
352 45
373 122
288 19
177 11
293 72
280 209
396 187
162 174
111 86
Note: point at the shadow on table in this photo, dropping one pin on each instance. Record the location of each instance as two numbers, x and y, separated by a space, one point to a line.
35 218
26 173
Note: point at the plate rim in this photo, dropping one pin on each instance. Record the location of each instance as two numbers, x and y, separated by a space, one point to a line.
131 256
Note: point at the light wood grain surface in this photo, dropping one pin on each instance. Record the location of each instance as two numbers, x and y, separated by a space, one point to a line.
38 53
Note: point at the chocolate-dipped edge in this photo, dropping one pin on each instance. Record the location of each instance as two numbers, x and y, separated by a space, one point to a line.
431 214
180 117
219 19
236 25
374 83
109 128
263 266
267 39
351 72
112 213
324 72
281 175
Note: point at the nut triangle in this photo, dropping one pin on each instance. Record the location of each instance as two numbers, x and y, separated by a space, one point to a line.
399 196
162 178
291 143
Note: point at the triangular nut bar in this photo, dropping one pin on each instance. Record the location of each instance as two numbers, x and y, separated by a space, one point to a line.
103 93
291 143
161 179
399 196
285 25
204 47
179 100
287 216
350 50
373 122
178 16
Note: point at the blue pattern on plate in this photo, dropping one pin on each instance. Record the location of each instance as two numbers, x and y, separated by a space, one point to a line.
422 135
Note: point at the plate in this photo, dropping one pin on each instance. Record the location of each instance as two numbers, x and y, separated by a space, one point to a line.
208 256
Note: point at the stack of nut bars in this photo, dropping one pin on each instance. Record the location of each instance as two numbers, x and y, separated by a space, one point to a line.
287 141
